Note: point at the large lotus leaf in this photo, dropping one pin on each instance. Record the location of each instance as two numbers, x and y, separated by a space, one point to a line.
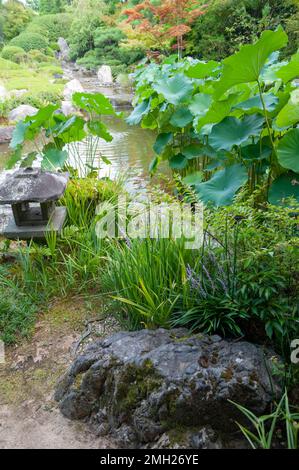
217 111
99 129
285 186
139 111
232 131
200 104
245 66
70 131
255 152
291 70
288 150
221 188
175 90
93 103
178 162
254 103
162 140
202 69
42 117
19 134
192 151
53 157
193 178
181 117
289 114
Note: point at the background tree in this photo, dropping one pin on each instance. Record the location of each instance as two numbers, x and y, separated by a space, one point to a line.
230 23
158 24
15 17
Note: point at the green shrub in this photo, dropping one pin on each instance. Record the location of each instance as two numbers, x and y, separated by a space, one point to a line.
51 26
37 100
227 24
9 53
38 56
30 41
83 195
243 281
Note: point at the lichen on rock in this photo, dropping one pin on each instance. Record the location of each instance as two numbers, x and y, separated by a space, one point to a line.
140 386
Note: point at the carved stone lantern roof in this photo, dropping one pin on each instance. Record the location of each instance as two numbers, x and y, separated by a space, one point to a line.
32 185
32 193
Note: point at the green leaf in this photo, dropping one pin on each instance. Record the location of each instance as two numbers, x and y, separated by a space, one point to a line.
53 158
255 152
285 186
202 69
175 90
193 178
289 114
43 116
19 134
106 160
139 111
288 150
221 188
245 66
178 162
94 103
181 117
200 104
99 129
14 158
232 131
254 103
153 165
72 130
291 70
28 160
217 111
161 141
193 150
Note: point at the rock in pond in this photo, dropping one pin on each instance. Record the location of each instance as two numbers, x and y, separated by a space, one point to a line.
154 386
72 87
64 49
105 75
6 134
22 111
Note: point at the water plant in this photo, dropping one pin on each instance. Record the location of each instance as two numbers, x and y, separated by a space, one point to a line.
57 138
233 120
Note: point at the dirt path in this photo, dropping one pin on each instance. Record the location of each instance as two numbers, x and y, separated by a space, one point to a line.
29 417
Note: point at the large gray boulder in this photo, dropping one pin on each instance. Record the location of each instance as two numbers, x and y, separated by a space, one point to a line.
6 134
64 49
144 387
105 75
73 86
22 111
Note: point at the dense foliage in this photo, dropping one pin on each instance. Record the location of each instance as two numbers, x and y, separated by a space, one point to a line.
30 41
230 23
224 124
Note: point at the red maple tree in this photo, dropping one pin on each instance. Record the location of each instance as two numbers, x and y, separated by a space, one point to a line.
170 19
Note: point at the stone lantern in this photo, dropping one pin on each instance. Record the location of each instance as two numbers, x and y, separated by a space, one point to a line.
32 193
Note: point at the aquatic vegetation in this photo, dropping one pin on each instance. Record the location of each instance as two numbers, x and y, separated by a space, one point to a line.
234 121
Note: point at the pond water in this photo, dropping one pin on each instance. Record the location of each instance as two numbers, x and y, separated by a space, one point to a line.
130 152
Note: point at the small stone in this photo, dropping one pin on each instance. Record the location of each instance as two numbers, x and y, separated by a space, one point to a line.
72 87
105 75
21 112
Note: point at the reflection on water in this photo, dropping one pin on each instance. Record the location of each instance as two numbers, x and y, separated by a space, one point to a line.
130 153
